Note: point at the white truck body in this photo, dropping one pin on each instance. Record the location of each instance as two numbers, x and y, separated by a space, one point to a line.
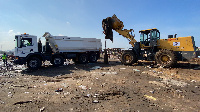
73 44
56 50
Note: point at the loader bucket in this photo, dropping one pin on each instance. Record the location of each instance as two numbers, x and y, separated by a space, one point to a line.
117 24
107 27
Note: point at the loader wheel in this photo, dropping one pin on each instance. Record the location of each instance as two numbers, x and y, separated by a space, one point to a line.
58 61
83 58
34 63
93 58
128 58
165 58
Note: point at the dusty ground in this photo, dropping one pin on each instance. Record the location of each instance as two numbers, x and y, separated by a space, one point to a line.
100 87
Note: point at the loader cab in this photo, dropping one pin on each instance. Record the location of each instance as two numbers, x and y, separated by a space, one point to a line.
149 37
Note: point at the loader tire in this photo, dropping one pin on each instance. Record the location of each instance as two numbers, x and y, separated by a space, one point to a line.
83 58
34 63
93 58
58 61
165 58
128 58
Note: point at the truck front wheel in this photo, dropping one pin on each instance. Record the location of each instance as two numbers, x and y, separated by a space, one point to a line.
34 63
58 61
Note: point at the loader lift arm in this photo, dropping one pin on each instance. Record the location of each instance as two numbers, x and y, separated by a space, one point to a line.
113 23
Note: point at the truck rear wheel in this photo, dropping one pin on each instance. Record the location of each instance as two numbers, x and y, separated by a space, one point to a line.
165 58
58 61
83 58
93 58
128 58
34 63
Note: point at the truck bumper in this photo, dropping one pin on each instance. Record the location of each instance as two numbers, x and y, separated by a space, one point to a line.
20 61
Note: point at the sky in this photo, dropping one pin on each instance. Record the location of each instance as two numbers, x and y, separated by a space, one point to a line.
83 18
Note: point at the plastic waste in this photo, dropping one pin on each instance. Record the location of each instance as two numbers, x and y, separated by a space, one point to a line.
59 90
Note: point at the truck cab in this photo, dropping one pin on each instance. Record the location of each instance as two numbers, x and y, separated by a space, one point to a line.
24 45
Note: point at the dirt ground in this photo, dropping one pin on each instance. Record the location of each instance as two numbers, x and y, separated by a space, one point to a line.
100 87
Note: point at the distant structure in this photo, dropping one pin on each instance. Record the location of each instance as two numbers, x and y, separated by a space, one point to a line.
114 52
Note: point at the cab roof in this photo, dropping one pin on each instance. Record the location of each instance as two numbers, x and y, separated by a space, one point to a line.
26 35
148 30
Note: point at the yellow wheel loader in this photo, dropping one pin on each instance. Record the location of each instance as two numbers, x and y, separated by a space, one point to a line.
165 52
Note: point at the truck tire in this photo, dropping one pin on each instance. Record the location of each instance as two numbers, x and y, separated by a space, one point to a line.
83 58
128 58
165 58
58 60
34 63
93 58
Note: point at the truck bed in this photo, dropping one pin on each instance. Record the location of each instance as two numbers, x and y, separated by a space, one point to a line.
73 44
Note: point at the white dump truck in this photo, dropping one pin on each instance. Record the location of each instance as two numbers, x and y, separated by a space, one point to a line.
56 50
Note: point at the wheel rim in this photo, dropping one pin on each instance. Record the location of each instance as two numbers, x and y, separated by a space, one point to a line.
57 61
165 59
84 59
128 58
33 63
